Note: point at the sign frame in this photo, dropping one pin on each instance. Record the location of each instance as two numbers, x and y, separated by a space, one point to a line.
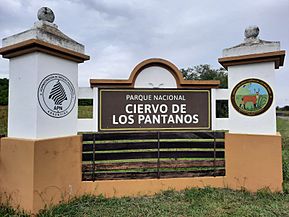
206 90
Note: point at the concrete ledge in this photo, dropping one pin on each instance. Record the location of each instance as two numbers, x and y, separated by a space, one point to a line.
137 187
35 45
275 56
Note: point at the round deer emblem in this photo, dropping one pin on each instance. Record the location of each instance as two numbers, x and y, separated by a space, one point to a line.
252 97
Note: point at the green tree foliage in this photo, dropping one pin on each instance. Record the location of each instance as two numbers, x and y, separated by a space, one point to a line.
285 108
205 72
4 84
85 102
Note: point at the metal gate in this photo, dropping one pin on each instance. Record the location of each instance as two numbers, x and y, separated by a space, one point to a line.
140 155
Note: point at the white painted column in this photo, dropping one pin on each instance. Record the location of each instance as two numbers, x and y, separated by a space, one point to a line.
213 109
95 108
219 123
88 124
261 124
43 76
252 59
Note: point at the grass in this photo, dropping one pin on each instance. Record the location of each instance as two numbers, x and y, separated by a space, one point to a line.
3 120
207 202
191 202
283 128
85 112
6 211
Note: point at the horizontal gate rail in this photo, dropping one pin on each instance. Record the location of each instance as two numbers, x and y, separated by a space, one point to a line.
151 165
143 155
152 145
139 155
120 136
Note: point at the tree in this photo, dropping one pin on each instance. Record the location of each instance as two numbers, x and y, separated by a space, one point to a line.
285 108
4 86
205 72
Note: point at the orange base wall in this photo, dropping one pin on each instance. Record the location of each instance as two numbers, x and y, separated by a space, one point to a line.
253 162
35 173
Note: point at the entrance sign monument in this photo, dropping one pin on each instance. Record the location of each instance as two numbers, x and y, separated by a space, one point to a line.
153 109
41 158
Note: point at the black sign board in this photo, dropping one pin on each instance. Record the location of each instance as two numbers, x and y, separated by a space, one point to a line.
154 109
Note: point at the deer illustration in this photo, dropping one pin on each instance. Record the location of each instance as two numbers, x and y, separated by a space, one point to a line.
252 99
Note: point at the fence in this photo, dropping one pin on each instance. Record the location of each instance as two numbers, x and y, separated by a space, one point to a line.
152 155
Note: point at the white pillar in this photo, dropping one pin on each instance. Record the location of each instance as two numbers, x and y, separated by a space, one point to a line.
253 59
43 81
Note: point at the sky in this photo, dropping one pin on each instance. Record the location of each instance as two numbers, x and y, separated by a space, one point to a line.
119 34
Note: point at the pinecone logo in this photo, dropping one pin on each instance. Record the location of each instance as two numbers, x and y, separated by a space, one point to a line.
58 94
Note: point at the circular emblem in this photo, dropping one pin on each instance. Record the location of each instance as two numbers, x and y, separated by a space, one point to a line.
252 97
56 95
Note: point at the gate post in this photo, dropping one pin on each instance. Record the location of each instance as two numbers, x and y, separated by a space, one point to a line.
41 157
253 148
257 60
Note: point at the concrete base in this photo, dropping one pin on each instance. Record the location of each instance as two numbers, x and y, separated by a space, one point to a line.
35 173
253 162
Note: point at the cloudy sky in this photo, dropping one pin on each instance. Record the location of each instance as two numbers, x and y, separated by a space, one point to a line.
118 34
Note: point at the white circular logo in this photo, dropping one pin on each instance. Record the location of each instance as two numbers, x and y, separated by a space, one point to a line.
56 95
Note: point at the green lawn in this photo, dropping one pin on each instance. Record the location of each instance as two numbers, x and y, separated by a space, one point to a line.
191 202
283 128
85 111
3 120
